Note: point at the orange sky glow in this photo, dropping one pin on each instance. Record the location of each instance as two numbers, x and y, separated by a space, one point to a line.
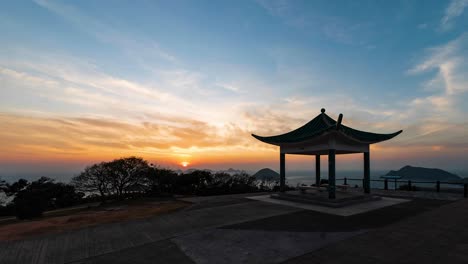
82 83
36 139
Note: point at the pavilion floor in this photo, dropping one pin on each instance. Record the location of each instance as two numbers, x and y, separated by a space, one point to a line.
319 197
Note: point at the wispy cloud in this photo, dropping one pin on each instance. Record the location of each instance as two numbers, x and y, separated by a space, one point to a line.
138 48
337 29
280 8
99 137
422 26
440 116
449 62
229 87
454 10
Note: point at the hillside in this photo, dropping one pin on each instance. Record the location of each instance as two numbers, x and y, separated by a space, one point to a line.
266 174
420 173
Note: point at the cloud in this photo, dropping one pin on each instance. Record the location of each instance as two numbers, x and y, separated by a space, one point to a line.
229 87
337 29
104 137
439 117
454 10
279 8
137 48
450 64
422 26
64 77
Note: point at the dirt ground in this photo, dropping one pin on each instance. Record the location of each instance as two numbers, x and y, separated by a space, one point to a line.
88 217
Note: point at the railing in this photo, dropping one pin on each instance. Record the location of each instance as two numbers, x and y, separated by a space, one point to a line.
410 184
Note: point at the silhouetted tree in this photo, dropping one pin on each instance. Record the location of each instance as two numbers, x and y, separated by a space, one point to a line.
161 180
127 173
193 182
38 196
95 178
15 187
242 182
3 185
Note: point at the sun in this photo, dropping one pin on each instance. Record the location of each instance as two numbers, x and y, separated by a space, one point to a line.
184 163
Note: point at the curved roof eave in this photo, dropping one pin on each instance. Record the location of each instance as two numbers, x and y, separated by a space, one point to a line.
274 139
380 138
322 124
368 137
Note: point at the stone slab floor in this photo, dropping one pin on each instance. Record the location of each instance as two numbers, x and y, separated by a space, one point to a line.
233 229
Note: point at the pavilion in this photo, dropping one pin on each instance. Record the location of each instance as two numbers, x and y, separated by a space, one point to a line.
325 136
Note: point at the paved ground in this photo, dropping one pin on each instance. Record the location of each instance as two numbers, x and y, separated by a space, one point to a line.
449 196
437 236
99 240
232 229
352 209
163 251
311 221
254 246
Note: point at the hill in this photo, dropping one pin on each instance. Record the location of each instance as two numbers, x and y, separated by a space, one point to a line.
266 174
419 173
232 171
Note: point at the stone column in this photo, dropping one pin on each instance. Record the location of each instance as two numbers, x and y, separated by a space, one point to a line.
317 170
282 171
331 173
366 182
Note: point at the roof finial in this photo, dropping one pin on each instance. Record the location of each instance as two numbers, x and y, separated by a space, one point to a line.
322 110
338 124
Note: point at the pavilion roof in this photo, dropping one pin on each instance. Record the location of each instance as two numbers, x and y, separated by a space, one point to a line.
321 125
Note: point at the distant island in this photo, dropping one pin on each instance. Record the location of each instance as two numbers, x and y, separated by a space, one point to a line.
267 174
229 171
420 173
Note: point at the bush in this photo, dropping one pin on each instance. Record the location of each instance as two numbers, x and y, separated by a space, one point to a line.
32 199
7 210
29 204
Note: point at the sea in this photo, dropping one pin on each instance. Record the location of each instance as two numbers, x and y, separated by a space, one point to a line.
354 178
293 177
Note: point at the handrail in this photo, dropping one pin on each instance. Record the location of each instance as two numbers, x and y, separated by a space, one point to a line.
410 183
399 180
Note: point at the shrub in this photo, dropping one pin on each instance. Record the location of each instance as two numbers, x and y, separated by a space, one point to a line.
29 204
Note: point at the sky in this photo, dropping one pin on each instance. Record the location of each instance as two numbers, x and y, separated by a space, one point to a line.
189 81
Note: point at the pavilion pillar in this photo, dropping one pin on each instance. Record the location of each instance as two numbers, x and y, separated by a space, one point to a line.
331 173
282 171
317 170
366 182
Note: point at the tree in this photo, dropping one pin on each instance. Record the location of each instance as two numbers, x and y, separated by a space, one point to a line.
3 185
128 173
193 182
38 196
161 180
242 182
167 180
16 187
95 178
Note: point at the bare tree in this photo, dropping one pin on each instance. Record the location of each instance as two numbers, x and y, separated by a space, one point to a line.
93 179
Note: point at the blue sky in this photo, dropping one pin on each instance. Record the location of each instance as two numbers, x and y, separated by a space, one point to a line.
119 77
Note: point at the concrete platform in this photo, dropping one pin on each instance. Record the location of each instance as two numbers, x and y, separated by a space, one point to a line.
434 236
254 246
342 211
342 199
231 229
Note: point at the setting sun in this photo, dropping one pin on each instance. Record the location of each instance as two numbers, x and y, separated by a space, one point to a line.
184 163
